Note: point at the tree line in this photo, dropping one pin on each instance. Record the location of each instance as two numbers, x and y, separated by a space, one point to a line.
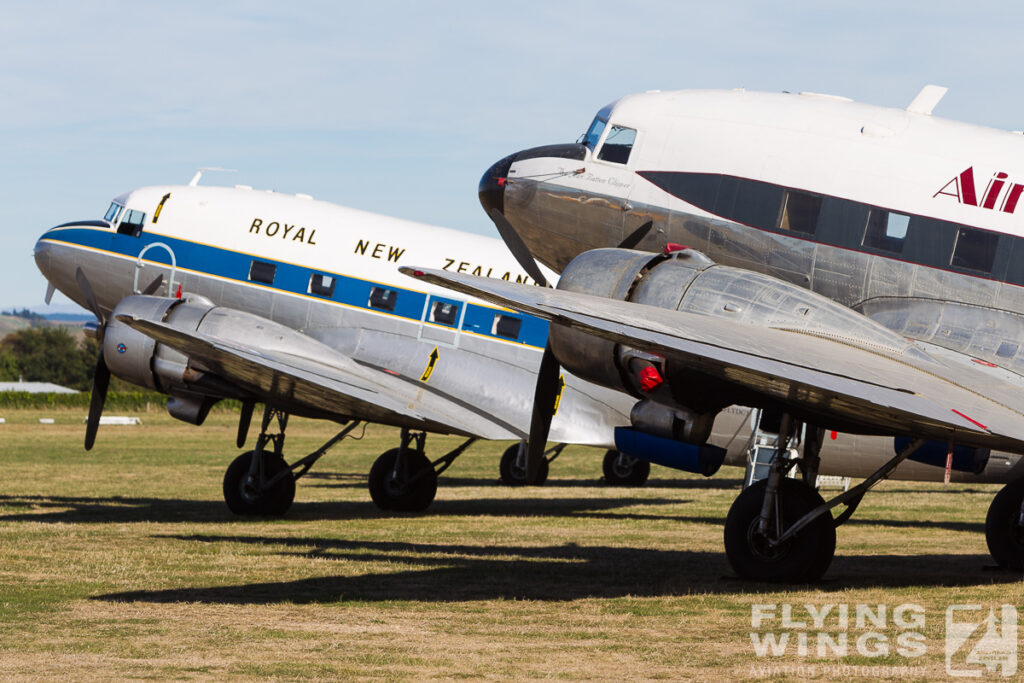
48 354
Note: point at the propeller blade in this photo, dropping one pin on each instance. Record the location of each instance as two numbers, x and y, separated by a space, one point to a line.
50 289
154 285
517 246
244 419
100 382
90 298
634 238
544 397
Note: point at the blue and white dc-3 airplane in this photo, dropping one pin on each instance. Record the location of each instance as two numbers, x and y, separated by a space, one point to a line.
206 293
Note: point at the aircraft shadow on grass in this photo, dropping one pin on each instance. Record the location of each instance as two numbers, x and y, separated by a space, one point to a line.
75 509
325 479
450 572
81 509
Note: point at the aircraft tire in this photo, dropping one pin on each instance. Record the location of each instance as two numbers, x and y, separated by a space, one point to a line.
400 496
514 475
1004 537
632 473
802 559
272 503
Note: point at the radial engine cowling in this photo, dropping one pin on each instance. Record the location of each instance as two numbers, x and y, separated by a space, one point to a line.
689 281
138 359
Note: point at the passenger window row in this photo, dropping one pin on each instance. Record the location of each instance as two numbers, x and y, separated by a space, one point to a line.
851 225
384 299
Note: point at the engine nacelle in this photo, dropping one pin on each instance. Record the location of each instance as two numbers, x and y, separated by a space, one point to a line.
688 281
139 359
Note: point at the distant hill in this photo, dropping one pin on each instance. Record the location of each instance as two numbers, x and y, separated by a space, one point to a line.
71 321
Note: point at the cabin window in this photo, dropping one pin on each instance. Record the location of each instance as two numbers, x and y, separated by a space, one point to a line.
886 230
799 212
322 285
384 299
444 313
261 271
974 249
112 213
617 145
132 222
507 326
1007 350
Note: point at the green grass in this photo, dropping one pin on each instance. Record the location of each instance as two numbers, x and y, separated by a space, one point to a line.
124 563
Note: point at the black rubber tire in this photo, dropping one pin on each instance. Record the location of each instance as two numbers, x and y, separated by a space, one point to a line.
272 503
399 496
1005 539
633 473
802 559
514 475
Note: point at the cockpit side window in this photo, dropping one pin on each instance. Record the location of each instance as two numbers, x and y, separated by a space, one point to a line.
112 213
132 222
618 145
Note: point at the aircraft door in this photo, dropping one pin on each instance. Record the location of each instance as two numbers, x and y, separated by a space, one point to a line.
442 320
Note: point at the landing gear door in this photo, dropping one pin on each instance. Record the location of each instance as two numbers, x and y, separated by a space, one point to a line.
442 320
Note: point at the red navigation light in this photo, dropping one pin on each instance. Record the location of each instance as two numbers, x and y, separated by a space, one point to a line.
650 378
672 247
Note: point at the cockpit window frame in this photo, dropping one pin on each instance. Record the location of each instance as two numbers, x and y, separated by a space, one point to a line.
615 158
112 215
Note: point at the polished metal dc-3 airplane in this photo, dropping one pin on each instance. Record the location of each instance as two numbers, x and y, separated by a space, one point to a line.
835 265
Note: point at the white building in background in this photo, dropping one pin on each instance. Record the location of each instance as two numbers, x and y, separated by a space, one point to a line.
35 388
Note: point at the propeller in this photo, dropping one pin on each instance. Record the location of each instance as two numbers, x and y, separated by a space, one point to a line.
517 246
634 238
154 285
544 396
101 376
546 391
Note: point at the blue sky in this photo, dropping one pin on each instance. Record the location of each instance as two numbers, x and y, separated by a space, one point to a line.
399 107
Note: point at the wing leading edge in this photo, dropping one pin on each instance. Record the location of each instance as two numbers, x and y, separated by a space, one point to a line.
876 389
341 387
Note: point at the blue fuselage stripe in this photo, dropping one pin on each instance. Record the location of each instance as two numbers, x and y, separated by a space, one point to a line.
351 291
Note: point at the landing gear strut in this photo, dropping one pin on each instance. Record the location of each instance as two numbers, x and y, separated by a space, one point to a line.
780 529
259 482
403 479
625 470
513 464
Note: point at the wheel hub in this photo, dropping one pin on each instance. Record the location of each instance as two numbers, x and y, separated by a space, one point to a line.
762 547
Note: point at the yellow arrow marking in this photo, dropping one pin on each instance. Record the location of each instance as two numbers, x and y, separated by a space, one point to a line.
430 366
558 396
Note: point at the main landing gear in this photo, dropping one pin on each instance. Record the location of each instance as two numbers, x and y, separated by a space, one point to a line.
781 529
625 470
259 482
403 479
1004 526
513 464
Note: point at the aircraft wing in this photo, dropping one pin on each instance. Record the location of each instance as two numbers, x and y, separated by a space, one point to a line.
878 390
339 386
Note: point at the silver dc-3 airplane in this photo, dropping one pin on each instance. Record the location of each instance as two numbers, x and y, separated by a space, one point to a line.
835 265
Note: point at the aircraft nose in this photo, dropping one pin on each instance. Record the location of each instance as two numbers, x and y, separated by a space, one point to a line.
492 184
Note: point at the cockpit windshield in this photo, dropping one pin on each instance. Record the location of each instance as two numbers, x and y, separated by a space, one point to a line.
113 212
593 133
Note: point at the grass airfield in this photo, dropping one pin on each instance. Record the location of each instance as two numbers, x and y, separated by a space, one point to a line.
125 563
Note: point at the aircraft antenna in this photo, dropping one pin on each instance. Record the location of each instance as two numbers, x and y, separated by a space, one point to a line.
926 100
199 173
